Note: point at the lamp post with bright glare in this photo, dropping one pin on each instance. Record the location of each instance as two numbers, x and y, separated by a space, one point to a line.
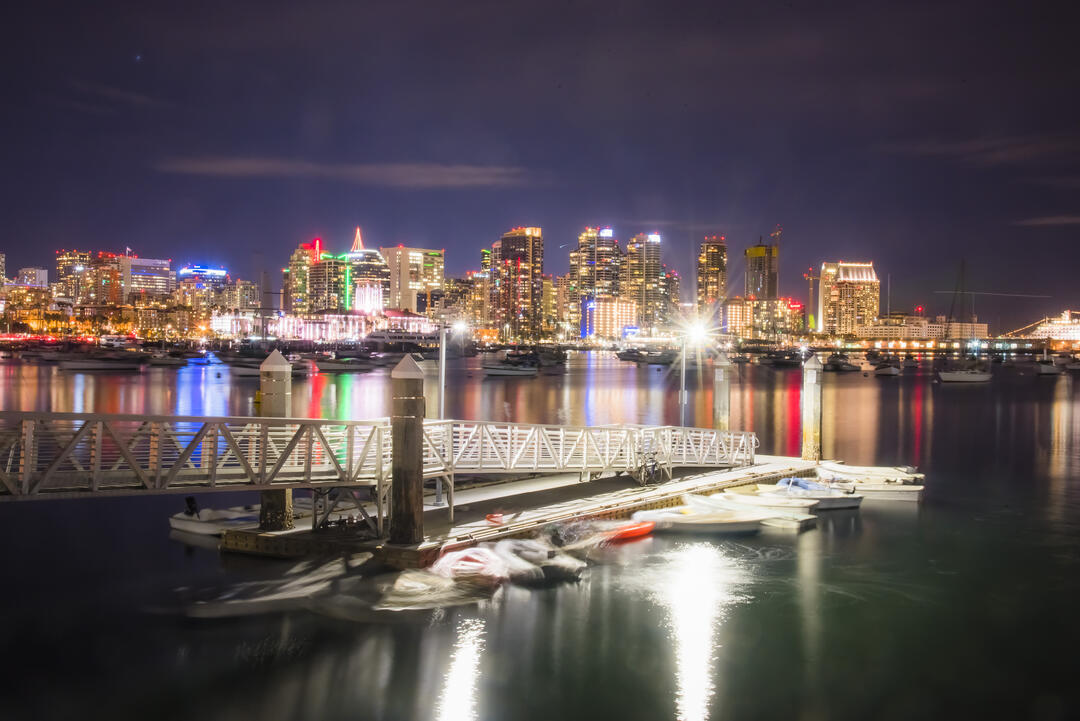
696 335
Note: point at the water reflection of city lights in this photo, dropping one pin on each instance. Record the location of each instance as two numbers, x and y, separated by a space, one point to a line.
698 585
457 702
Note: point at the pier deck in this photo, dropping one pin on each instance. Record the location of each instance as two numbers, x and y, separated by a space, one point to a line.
525 506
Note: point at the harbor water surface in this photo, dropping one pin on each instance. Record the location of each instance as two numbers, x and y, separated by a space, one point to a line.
961 606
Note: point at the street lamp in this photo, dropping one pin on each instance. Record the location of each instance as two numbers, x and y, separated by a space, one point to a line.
695 335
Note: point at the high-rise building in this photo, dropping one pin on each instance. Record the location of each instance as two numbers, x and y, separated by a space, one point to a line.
711 275
3 269
595 263
517 267
549 313
643 280
672 287
145 277
567 310
295 292
328 287
763 268
368 278
849 297
69 264
32 277
100 283
412 271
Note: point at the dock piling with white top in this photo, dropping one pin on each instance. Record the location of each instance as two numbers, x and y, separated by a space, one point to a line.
722 392
811 409
275 399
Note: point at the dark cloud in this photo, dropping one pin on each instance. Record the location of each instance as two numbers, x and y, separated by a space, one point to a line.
120 96
994 151
416 176
1051 220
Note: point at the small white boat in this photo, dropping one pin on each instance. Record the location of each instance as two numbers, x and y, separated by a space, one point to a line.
214 522
1048 368
910 362
828 499
833 470
1073 366
969 375
778 517
748 495
887 370
683 519
509 369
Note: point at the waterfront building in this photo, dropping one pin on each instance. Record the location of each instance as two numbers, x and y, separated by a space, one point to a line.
412 271
643 280
295 277
607 318
672 289
32 277
849 296
328 285
242 295
69 265
367 283
762 279
549 319
145 277
711 275
517 265
567 305
763 318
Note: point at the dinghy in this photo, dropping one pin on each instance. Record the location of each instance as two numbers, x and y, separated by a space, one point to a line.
828 498
683 519
749 496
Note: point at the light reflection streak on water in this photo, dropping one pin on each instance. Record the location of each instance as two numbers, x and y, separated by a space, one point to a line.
457 702
697 585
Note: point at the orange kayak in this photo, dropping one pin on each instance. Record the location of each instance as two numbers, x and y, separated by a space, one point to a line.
631 530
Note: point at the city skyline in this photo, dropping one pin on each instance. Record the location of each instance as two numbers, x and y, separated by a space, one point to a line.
866 131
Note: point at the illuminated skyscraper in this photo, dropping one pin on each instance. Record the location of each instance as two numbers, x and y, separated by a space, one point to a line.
412 271
328 285
145 277
711 275
69 264
763 268
644 280
595 263
849 297
295 297
367 283
517 266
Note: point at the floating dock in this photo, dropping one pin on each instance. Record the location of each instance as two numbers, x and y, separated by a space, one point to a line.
525 506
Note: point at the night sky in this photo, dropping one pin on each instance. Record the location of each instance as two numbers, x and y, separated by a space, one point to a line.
909 133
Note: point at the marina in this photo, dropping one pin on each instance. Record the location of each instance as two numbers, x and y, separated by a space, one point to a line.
886 430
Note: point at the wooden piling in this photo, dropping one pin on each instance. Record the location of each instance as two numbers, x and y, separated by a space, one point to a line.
407 429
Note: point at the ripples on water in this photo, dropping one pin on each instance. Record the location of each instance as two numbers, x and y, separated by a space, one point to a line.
956 609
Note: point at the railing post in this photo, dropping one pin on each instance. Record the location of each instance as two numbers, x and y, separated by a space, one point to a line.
811 409
155 453
275 397
407 469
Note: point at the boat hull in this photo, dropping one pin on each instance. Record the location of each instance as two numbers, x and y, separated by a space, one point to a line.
963 377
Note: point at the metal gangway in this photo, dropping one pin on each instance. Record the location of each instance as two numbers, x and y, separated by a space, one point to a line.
66 455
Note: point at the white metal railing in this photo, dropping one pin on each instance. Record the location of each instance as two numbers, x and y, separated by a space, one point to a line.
73 454
57 454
